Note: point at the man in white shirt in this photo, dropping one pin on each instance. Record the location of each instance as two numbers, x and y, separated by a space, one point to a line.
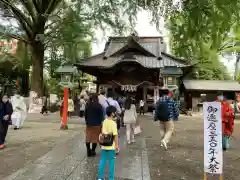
141 104
102 97
110 101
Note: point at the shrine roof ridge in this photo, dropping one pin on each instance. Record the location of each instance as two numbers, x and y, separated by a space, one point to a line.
149 52
118 38
153 45
131 42
98 61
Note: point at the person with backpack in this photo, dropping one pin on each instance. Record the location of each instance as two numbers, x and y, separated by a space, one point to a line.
110 101
109 143
102 97
165 112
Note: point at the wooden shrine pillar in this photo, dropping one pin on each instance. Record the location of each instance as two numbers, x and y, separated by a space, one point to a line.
188 100
97 89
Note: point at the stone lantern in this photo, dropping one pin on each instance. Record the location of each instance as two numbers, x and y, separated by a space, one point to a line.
68 73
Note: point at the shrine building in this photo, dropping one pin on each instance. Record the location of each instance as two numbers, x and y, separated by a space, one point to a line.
135 65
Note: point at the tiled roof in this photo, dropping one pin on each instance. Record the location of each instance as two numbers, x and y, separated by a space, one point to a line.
114 47
66 69
211 85
154 45
149 62
171 71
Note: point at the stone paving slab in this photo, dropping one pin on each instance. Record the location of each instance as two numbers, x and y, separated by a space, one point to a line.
53 118
68 161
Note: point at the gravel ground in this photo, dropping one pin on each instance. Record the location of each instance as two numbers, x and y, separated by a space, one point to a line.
33 141
184 159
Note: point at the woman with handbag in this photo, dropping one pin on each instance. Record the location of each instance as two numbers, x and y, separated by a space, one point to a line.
130 117
94 116
6 111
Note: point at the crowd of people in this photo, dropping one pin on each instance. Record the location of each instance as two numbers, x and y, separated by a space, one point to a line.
103 120
104 117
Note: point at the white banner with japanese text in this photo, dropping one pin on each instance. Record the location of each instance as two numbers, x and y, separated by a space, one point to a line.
213 158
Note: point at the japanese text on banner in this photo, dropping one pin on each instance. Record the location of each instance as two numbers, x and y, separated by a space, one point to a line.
213 160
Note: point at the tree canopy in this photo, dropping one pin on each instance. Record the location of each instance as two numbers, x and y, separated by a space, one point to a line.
43 22
203 31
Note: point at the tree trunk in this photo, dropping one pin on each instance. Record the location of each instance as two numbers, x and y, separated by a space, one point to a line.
37 68
25 83
236 66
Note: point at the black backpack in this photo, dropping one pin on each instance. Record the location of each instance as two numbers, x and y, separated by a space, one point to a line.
106 139
163 110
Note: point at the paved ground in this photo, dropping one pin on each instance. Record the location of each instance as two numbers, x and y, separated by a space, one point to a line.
144 160
33 141
53 118
69 162
184 160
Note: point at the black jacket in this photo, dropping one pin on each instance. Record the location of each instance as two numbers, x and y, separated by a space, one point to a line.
94 114
1 111
8 109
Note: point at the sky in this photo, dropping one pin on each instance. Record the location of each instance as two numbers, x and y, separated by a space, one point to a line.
144 28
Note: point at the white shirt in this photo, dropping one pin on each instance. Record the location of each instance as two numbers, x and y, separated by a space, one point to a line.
82 105
102 99
111 101
141 103
130 115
